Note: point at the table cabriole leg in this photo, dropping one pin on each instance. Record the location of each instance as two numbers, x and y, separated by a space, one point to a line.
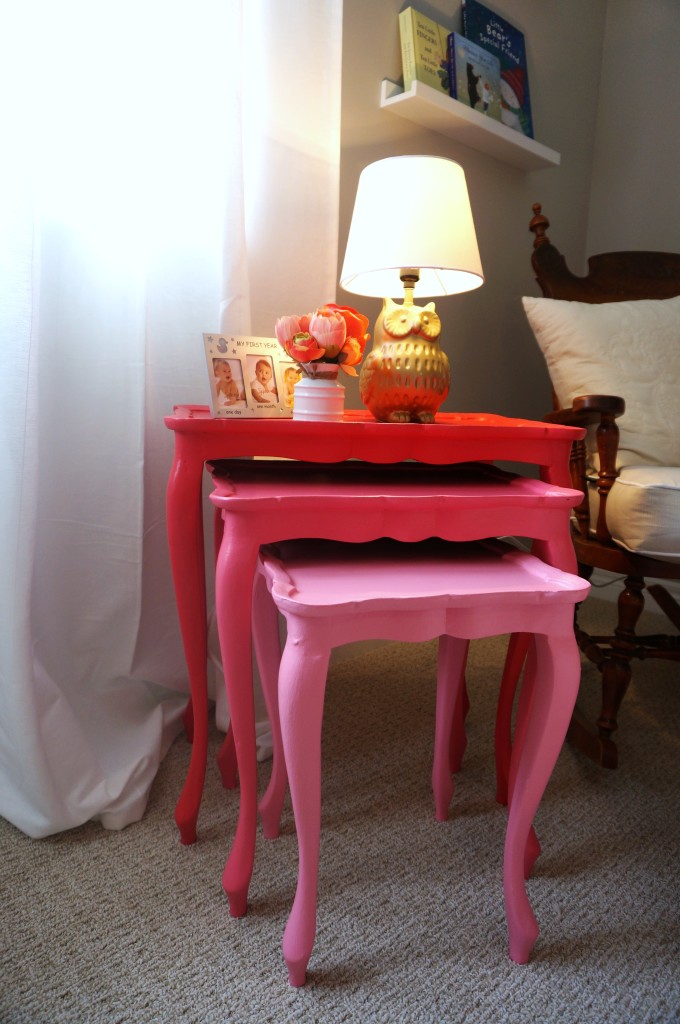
185 524
235 564
451 660
302 685
551 706
268 653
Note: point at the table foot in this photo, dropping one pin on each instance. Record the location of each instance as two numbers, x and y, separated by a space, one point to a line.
298 940
443 794
239 868
523 937
238 901
188 805
187 831
297 974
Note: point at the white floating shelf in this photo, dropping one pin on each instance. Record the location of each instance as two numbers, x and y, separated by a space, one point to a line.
432 109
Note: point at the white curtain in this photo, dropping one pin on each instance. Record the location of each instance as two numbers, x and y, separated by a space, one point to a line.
168 169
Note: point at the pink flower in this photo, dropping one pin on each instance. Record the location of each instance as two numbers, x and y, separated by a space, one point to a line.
292 334
286 327
303 348
329 330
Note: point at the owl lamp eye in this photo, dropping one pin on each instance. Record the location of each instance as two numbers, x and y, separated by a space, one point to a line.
392 245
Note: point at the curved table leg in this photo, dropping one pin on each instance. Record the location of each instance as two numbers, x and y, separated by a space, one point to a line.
551 706
451 660
268 653
533 847
512 670
226 760
185 539
226 757
302 685
233 592
458 744
188 721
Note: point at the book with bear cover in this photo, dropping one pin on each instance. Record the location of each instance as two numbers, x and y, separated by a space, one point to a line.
474 76
489 30
423 50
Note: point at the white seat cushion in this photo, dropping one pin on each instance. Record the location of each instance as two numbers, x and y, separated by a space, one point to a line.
643 510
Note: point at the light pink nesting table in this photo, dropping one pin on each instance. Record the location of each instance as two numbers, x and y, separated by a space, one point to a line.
200 439
333 593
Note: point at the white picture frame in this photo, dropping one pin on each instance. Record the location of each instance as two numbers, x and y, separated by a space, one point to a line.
249 377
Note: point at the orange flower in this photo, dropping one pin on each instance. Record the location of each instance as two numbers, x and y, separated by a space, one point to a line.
349 356
355 322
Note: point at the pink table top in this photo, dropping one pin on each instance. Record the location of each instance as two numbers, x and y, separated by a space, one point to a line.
266 483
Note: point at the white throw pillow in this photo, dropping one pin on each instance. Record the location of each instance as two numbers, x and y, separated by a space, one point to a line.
629 348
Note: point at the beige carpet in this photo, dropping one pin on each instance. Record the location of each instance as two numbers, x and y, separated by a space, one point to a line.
100 927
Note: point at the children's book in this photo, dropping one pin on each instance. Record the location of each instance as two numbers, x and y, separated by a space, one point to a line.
423 50
474 76
489 30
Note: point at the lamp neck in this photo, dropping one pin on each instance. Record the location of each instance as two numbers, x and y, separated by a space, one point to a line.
409 277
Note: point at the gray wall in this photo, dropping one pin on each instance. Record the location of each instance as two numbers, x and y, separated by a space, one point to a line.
636 167
495 363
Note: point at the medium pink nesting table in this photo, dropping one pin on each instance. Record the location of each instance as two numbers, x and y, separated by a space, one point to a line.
200 439
353 502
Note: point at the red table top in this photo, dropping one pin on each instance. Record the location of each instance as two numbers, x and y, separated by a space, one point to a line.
453 437
198 418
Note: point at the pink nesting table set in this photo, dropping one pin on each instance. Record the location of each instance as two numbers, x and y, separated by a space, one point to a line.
356 481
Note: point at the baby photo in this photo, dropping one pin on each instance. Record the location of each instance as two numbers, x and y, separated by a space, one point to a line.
229 383
291 374
262 382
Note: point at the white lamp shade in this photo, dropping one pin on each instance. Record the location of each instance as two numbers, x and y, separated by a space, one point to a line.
412 211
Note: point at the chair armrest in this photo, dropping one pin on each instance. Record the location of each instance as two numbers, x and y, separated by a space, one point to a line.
588 409
601 411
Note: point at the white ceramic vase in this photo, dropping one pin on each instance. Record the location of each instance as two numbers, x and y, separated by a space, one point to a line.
319 397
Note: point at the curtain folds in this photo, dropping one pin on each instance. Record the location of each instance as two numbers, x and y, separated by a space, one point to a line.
172 172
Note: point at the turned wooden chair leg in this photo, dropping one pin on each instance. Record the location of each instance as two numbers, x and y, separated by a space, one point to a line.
617 670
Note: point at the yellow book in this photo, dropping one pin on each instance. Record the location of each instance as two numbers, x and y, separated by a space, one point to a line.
423 50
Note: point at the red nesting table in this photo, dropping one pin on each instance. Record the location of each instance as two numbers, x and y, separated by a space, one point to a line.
200 439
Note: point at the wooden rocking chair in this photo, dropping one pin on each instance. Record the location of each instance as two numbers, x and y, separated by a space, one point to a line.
629 520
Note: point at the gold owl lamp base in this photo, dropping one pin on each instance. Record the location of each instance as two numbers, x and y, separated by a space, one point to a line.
392 239
406 376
